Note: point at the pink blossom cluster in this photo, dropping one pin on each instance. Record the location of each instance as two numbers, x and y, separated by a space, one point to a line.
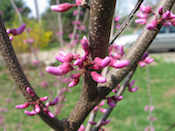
117 18
96 108
66 6
83 64
38 105
44 84
59 33
167 18
76 12
145 59
28 41
102 124
78 23
150 108
16 31
111 101
149 129
35 62
116 52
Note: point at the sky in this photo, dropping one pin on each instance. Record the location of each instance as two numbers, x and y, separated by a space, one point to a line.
42 5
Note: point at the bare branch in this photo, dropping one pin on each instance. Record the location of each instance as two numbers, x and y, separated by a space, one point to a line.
18 75
126 22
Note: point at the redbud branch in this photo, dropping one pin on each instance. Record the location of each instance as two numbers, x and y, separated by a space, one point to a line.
31 47
75 27
18 75
149 94
80 31
119 93
60 26
126 22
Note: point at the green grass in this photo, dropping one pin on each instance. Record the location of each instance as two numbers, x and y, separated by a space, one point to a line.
130 110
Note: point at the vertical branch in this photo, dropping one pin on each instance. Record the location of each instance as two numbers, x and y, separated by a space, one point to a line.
60 25
149 94
18 75
37 11
101 14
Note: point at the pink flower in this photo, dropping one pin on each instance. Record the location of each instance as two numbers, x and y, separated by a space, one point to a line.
76 22
35 62
30 91
97 77
81 27
44 84
152 25
145 9
22 106
30 113
82 128
19 30
103 110
60 70
62 7
142 15
117 18
141 21
58 33
130 86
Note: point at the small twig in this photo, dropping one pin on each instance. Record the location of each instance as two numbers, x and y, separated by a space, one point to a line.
126 22
170 127
119 93
149 94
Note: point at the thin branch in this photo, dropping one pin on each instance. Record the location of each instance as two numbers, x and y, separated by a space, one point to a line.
126 22
60 26
170 127
18 75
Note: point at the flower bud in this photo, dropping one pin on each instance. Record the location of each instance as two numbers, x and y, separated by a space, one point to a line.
97 77
19 30
61 7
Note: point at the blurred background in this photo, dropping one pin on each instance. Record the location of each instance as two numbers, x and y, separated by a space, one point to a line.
43 26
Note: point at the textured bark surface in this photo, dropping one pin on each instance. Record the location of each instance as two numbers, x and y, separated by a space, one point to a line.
101 14
18 75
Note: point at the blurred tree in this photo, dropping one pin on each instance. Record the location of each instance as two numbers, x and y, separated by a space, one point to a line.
51 18
8 13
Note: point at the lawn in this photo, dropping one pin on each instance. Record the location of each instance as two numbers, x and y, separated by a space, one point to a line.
129 115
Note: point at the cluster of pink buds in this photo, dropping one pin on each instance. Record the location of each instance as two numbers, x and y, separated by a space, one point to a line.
167 18
28 41
145 59
38 105
59 33
116 52
44 84
102 124
82 128
96 108
66 6
117 18
149 129
76 12
35 62
111 101
130 86
83 64
16 31
150 108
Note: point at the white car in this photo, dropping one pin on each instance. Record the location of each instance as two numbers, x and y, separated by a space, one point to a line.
165 39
